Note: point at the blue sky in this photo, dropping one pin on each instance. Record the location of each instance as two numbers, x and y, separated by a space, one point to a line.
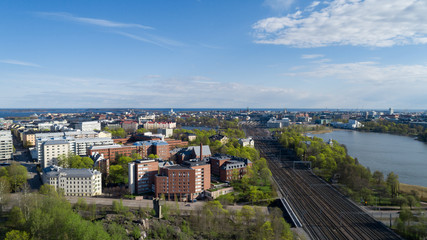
224 53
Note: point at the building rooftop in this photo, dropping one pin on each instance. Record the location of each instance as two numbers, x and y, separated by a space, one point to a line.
105 147
53 171
55 142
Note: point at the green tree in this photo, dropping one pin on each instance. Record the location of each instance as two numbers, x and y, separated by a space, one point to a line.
117 174
17 235
4 191
16 217
393 184
16 174
266 231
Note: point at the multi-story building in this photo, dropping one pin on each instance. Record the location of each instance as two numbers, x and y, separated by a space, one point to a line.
80 146
76 146
229 167
234 169
88 126
141 176
183 182
156 147
74 182
159 125
114 150
6 145
73 134
130 126
52 150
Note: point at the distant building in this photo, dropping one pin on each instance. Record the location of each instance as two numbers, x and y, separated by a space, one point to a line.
130 126
352 124
141 176
88 126
159 148
247 142
167 132
6 145
274 123
218 137
74 182
159 125
183 182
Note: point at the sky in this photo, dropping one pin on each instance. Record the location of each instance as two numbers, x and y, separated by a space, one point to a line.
353 54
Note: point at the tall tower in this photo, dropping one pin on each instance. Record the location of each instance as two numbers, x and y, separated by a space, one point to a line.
390 111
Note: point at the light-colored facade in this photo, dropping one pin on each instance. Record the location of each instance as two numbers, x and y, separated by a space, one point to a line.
159 125
73 134
247 142
52 150
167 132
6 145
74 182
76 146
88 126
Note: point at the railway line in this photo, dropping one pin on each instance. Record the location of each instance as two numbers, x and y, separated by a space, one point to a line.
323 211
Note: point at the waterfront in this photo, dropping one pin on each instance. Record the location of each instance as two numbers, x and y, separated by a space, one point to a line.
384 152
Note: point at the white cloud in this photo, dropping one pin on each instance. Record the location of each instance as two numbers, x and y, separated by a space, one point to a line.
311 56
92 21
378 23
278 5
21 63
368 72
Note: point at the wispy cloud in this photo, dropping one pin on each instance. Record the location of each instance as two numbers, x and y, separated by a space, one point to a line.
278 5
311 56
21 63
378 23
91 21
367 72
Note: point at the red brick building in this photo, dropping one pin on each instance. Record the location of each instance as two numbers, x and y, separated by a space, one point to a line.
111 151
183 182
141 176
159 148
224 166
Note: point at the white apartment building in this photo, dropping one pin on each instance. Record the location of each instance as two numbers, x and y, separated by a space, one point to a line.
76 146
88 126
52 150
6 145
74 182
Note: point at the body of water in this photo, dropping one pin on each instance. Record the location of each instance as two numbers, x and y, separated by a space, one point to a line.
387 153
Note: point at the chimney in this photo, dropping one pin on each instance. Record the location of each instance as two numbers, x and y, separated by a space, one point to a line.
201 151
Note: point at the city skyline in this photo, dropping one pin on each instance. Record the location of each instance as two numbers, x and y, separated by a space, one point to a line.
222 54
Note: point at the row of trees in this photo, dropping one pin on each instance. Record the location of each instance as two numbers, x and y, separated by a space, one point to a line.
406 129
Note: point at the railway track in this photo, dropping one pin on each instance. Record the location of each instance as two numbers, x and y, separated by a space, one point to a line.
324 212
